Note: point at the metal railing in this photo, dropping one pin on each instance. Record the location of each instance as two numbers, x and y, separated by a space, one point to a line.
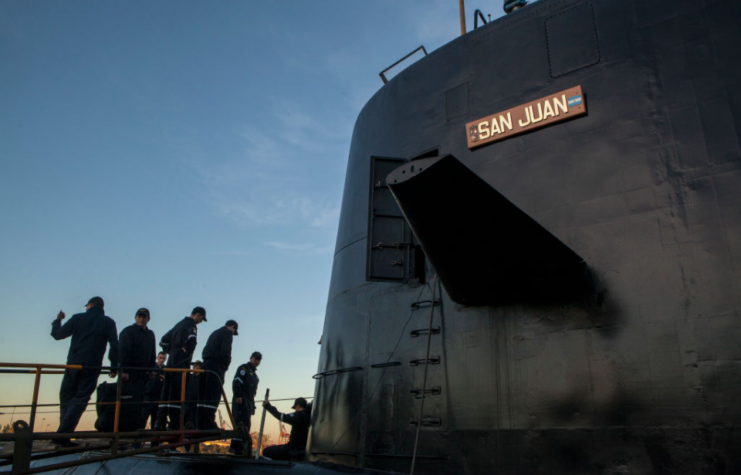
23 435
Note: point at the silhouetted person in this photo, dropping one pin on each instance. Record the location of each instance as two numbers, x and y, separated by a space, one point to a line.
138 349
153 391
180 343
295 449
90 332
217 355
244 388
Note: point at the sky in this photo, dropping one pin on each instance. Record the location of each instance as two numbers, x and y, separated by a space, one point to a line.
169 154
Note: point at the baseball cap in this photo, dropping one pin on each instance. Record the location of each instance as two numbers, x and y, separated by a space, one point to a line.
233 323
200 311
300 402
142 311
96 302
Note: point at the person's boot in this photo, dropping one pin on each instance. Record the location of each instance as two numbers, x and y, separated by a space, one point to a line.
66 444
159 425
237 448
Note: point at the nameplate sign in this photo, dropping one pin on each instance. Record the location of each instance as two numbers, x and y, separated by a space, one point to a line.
547 111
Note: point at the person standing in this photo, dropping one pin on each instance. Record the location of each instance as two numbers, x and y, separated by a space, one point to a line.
153 391
180 343
244 388
295 449
217 356
90 332
137 349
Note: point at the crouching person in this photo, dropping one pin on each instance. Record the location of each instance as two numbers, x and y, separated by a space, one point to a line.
244 388
299 421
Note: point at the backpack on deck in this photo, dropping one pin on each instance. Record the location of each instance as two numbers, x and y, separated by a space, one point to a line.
129 418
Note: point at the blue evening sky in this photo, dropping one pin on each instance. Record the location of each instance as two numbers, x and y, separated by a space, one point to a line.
169 154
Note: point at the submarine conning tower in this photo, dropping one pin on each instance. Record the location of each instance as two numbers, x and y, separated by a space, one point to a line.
582 266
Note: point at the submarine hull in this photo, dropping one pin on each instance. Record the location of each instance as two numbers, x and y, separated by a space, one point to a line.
634 365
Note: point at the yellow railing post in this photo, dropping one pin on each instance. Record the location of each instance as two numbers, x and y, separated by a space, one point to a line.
182 400
35 397
117 417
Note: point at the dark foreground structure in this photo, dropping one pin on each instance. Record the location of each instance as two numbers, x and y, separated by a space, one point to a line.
192 464
586 308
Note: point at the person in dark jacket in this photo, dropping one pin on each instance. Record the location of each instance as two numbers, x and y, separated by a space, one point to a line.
244 388
295 449
153 391
217 355
180 343
137 349
90 332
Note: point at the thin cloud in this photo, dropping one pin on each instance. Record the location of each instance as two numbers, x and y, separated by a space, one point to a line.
272 173
301 249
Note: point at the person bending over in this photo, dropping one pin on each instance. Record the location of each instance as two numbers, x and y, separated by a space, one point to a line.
299 421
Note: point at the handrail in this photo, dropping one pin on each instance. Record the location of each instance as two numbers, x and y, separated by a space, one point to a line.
383 77
23 435
37 370
114 368
476 15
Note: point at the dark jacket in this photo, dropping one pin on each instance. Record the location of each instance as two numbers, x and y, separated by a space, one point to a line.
90 331
138 347
180 343
218 348
153 388
300 430
245 383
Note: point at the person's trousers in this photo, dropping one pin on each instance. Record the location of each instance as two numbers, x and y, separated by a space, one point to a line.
211 385
149 409
171 392
133 394
242 419
77 387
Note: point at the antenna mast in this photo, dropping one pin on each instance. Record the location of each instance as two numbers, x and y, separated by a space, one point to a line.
462 9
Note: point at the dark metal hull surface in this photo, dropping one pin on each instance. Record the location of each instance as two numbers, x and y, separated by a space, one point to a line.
637 372
191 464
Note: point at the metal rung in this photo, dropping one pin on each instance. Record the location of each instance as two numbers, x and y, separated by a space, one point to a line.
428 422
433 360
424 303
336 371
386 365
436 391
423 331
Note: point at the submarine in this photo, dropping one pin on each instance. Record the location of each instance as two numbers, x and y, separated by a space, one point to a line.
538 261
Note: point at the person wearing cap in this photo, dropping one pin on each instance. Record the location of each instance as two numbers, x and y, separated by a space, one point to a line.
217 356
244 389
180 344
138 349
90 332
299 421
